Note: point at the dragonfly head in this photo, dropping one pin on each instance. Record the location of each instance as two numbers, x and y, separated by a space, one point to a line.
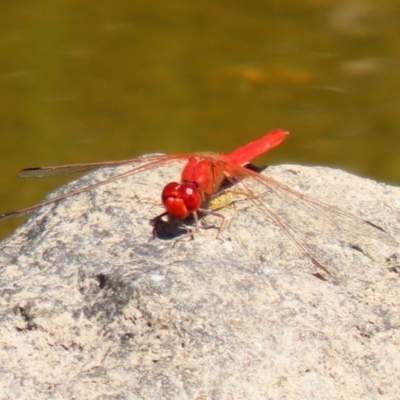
180 199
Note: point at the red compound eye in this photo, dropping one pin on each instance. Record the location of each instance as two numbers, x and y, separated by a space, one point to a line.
190 196
180 199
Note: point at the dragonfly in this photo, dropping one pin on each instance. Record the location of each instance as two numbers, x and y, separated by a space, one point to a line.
204 176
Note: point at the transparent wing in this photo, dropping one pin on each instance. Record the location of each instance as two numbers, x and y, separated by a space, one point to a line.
141 164
40 172
304 219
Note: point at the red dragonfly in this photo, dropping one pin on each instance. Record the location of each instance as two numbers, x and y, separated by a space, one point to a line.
204 175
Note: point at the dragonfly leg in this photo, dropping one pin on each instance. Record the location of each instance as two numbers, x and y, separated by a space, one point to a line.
215 214
158 221
196 229
190 232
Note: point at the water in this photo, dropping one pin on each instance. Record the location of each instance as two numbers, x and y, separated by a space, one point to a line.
116 80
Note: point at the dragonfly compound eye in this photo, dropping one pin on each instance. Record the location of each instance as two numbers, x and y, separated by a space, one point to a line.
180 199
191 196
170 190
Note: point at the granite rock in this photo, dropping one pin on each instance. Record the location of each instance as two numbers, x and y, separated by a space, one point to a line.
92 308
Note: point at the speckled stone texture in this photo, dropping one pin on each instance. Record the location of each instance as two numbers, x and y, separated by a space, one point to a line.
92 308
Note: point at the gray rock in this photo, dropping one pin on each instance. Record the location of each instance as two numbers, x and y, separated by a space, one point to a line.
91 307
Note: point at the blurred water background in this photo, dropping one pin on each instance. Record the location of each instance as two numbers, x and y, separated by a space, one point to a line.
84 81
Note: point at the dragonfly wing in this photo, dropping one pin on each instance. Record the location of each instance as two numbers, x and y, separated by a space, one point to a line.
307 222
40 172
142 164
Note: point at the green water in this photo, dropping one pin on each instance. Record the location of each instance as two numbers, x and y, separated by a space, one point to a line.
96 80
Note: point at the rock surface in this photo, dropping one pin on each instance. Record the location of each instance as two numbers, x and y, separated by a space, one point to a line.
91 308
